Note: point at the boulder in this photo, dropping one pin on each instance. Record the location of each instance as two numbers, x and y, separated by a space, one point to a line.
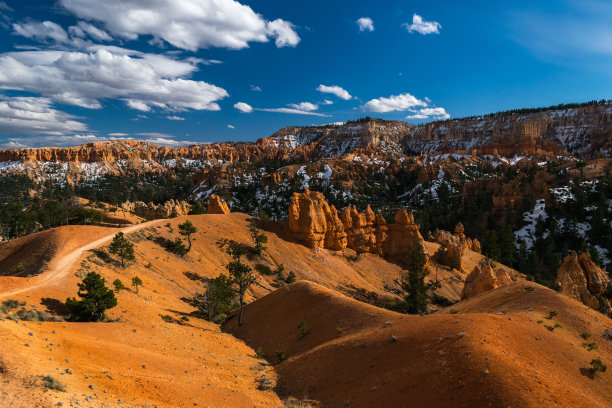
217 205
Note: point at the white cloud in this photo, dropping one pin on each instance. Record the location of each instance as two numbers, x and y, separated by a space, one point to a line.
118 134
365 23
255 88
243 107
429 113
402 102
231 127
35 116
283 32
292 111
186 24
49 140
174 118
327 102
304 106
336 90
423 27
142 81
83 29
42 31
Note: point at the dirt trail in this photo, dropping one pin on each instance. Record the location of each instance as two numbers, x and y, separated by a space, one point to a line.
61 267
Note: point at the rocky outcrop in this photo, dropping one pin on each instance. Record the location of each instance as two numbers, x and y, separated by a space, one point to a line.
317 224
170 209
580 278
454 245
484 278
217 205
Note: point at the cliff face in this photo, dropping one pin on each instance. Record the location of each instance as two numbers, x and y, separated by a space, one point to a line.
580 278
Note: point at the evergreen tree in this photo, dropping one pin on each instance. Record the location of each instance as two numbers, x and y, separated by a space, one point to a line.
490 245
136 282
413 279
259 239
186 229
122 247
241 275
96 298
216 301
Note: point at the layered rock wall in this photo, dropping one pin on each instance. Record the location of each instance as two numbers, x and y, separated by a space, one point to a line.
170 209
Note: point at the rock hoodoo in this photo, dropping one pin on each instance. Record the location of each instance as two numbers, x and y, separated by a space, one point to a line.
317 224
484 278
217 205
455 244
580 278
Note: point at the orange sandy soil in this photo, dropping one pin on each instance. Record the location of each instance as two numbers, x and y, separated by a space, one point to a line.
492 353
185 363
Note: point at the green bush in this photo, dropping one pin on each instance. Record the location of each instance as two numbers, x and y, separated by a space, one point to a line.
290 278
597 366
281 355
177 247
263 269
52 383
118 285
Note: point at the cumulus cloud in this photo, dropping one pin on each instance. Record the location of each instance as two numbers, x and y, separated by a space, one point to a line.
48 140
35 116
365 23
429 113
231 127
423 27
186 24
174 118
243 107
402 102
142 81
335 90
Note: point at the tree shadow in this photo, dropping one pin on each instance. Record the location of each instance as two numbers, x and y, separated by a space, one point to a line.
195 277
55 306
587 373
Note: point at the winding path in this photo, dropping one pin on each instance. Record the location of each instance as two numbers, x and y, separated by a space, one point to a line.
61 267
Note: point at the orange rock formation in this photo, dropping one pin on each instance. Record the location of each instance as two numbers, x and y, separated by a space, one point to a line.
217 205
484 278
580 278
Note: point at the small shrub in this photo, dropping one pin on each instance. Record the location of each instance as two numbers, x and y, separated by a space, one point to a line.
453 311
441 300
281 355
264 383
9 305
294 403
585 335
149 265
597 366
167 318
177 247
52 383
261 353
185 318
540 321
118 285
303 328
263 269
551 314
33 315
19 268
558 326
290 278
529 288
136 282
590 346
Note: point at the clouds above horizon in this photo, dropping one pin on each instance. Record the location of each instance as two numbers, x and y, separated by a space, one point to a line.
335 90
186 24
402 102
365 24
35 116
423 27
142 81
429 113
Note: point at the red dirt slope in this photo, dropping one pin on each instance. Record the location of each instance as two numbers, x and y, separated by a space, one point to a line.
358 355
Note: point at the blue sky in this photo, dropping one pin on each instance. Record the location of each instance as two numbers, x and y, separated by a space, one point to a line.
178 71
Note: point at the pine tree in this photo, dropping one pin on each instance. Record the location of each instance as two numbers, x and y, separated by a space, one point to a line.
413 279
216 301
136 282
259 239
186 229
96 299
122 247
241 275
